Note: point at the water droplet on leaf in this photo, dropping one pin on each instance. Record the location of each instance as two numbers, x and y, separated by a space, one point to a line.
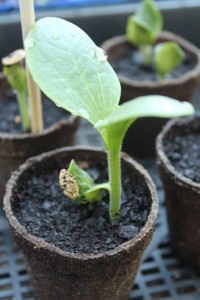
58 105
55 37
29 43
100 54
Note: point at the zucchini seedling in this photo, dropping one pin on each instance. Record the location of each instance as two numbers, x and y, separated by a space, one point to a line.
15 73
143 29
74 73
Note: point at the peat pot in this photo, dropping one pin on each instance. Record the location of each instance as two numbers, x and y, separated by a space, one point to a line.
178 149
16 147
140 138
88 257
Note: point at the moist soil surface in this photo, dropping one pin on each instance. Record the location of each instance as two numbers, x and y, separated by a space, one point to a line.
9 112
129 65
45 212
184 154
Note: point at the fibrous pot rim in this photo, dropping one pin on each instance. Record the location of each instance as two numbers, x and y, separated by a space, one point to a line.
40 243
23 136
186 45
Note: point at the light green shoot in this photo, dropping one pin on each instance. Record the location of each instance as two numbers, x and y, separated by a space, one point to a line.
166 57
16 77
74 73
144 27
78 185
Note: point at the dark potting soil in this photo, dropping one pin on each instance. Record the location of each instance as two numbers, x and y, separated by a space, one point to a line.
184 153
45 212
9 112
129 65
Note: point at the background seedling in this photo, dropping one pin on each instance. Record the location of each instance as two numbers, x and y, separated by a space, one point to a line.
73 72
143 29
166 57
16 76
23 84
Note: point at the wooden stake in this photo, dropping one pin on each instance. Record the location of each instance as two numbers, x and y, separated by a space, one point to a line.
27 21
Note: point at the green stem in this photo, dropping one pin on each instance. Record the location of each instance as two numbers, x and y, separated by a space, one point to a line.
114 171
22 100
146 54
163 76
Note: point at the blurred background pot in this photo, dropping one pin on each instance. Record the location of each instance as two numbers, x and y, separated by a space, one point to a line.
60 275
15 148
144 131
179 170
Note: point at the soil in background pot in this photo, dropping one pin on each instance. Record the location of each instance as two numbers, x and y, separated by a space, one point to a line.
9 115
183 150
129 65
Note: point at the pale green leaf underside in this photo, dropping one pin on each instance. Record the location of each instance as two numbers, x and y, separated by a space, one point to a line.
147 106
71 70
149 13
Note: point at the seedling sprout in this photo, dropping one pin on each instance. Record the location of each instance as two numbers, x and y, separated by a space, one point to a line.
74 73
28 93
143 29
16 76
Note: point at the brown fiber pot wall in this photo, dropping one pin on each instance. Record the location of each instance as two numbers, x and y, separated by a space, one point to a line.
59 275
182 195
16 148
140 139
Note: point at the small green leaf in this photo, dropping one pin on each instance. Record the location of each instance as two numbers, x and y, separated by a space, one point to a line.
117 123
71 70
85 181
96 192
166 57
88 190
144 27
16 77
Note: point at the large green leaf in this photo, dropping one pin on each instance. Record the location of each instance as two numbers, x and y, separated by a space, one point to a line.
114 127
71 70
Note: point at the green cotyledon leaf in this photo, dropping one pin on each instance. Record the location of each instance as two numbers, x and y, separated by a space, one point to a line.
166 57
78 185
95 194
71 70
144 27
16 77
114 127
